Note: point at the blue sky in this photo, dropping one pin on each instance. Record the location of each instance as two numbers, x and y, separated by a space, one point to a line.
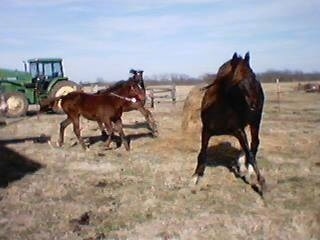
106 38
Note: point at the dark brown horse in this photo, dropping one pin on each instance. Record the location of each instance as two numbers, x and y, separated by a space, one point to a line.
104 108
140 106
233 101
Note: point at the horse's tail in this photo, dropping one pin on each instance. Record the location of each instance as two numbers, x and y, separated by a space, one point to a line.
49 104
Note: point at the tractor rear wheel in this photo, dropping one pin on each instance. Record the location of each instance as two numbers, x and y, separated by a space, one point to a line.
17 104
60 89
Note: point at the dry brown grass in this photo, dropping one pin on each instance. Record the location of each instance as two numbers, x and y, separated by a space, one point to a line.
147 193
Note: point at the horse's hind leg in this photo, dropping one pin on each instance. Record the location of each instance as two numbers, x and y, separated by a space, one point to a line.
63 126
205 136
149 118
118 127
110 130
254 130
102 129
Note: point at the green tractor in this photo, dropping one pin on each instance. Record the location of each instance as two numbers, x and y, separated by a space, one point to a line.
44 79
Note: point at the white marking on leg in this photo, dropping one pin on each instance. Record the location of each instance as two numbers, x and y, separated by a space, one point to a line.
196 179
242 165
250 169
250 174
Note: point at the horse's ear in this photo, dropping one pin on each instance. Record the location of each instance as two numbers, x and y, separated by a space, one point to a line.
132 71
235 57
247 57
234 60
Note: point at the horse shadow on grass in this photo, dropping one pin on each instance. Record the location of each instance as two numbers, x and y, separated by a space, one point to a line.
14 166
115 138
225 155
136 125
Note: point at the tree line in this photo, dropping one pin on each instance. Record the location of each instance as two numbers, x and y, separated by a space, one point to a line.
184 79
266 77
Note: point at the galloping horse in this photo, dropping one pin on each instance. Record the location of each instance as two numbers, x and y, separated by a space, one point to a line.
104 108
140 106
233 101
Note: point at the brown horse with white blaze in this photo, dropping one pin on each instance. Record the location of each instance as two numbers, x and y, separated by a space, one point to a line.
106 109
233 101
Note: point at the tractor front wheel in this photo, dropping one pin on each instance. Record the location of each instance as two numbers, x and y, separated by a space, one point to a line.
60 89
17 104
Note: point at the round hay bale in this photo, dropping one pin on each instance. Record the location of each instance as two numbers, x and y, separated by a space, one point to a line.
191 121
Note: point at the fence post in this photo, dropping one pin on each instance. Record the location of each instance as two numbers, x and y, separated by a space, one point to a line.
151 94
173 93
278 93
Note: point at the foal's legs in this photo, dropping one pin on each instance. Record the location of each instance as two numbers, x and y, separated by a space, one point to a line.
205 136
109 127
63 126
118 127
102 129
76 130
149 118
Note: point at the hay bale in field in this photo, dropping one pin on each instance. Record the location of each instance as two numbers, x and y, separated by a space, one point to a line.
191 109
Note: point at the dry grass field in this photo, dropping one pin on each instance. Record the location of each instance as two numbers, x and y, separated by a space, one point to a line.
48 192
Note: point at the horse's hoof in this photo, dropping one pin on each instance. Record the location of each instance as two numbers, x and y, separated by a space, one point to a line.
85 148
50 144
58 144
250 176
155 133
127 148
196 179
262 183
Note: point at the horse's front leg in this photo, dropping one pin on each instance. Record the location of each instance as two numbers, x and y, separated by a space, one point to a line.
77 132
255 141
63 126
250 157
205 136
149 118
119 128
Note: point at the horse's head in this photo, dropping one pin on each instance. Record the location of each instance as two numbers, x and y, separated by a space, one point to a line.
227 69
245 79
137 77
135 90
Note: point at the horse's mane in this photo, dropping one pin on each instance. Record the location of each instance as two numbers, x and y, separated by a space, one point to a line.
224 70
116 86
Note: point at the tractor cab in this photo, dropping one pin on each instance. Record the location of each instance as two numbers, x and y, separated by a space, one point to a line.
45 68
43 71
